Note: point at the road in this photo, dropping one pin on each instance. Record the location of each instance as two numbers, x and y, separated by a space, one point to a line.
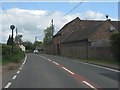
49 71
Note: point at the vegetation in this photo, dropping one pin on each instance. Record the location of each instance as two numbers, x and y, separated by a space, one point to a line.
9 41
0 54
31 46
104 61
36 44
115 46
8 57
48 35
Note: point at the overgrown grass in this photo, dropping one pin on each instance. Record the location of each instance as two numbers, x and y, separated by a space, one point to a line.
8 57
105 61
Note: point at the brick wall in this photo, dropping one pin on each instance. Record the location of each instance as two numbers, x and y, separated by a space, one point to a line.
79 50
74 49
100 52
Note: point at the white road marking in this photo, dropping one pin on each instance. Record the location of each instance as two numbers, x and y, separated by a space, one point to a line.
89 84
20 68
42 56
14 77
67 70
8 85
18 72
55 63
101 67
25 60
48 59
85 63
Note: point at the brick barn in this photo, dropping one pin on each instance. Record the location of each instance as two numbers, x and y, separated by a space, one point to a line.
85 39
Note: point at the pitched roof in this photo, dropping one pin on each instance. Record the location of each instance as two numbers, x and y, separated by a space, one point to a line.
116 24
68 25
84 32
81 29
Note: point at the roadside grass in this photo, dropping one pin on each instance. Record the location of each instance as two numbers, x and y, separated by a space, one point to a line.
104 61
16 58
8 57
0 60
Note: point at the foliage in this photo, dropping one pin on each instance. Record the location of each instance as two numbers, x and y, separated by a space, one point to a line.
9 41
18 39
48 35
7 55
36 44
29 46
115 45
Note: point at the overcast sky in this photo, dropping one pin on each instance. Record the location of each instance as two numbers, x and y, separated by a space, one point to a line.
31 18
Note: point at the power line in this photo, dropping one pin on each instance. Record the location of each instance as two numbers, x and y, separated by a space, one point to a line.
7 15
73 8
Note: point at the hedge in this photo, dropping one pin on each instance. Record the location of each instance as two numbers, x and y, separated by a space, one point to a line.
115 46
8 57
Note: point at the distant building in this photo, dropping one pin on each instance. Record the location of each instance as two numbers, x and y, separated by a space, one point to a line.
22 48
84 39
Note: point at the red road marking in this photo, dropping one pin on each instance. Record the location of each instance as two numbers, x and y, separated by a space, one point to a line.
80 78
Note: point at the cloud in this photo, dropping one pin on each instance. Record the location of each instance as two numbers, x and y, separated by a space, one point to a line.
31 23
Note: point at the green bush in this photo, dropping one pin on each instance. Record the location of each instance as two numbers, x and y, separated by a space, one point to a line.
7 55
115 46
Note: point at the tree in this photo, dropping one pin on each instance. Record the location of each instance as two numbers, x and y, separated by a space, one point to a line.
28 45
115 45
48 34
37 44
18 39
9 41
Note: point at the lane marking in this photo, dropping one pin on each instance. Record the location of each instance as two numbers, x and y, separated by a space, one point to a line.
67 70
20 68
89 85
55 63
101 67
48 59
42 56
18 72
73 74
14 77
8 85
25 60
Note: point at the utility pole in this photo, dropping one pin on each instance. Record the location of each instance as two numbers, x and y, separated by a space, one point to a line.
52 28
52 36
16 37
35 39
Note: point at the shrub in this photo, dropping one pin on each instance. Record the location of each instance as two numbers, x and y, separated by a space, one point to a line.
115 45
7 55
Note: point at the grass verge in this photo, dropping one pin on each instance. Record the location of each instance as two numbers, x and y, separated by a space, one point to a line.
106 61
8 57
16 58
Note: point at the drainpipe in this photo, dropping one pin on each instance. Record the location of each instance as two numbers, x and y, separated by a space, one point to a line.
86 48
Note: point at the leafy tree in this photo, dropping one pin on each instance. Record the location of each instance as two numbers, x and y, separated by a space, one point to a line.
18 39
115 45
48 35
36 44
28 45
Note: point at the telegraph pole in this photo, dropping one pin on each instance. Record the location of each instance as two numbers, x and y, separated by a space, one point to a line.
35 39
52 36
52 28
16 37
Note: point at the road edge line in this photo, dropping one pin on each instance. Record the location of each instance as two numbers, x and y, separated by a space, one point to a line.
8 85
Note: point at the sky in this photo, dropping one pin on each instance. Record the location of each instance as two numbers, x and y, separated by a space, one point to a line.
31 18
